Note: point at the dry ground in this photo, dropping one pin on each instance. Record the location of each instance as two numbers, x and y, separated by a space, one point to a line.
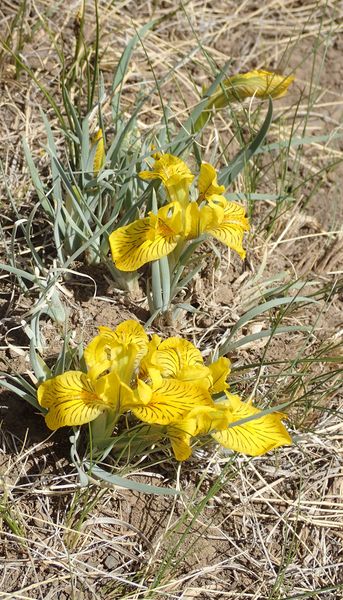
262 529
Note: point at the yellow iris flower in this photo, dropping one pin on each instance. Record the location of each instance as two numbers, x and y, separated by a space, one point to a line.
179 359
260 83
147 239
174 174
157 235
76 398
163 383
109 344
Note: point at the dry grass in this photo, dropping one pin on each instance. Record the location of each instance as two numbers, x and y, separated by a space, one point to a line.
262 529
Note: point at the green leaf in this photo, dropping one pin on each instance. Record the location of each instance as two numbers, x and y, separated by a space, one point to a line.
156 285
37 181
294 142
75 459
265 333
118 79
196 121
27 396
96 471
39 366
258 310
229 173
165 281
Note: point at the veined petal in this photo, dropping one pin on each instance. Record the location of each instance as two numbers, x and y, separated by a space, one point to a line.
99 158
149 360
199 421
174 354
131 332
180 435
208 418
132 246
71 399
199 219
169 218
231 223
208 184
254 437
174 174
259 83
170 402
200 375
147 239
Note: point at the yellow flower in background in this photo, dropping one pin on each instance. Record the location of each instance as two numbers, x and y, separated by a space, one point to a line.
259 83
174 174
156 236
99 158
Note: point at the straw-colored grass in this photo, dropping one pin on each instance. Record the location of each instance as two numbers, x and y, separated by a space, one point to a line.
262 529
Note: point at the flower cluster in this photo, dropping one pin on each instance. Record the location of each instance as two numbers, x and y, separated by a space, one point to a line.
163 383
181 219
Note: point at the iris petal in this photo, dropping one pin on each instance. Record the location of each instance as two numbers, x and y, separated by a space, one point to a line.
231 224
147 239
199 421
259 83
208 184
219 372
71 399
174 354
254 437
174 174
99 157
171 401
170 169
109 344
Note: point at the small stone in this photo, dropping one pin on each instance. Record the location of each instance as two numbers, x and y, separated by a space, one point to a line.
111 562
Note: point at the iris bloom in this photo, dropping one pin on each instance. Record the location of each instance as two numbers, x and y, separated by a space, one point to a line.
164 384
174 380
76 398
158 235
259 83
